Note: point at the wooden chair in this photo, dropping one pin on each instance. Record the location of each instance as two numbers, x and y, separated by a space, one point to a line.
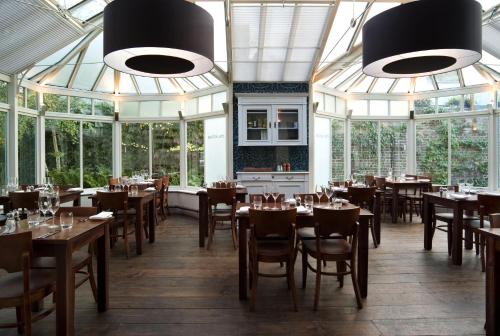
166 182
27 200
280 198
117 202
364 198
316 199
81 259
221 196
160 201
488 204
272 240
415 200
21 286
327 222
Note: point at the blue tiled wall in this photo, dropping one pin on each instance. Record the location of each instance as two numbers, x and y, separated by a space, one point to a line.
267 156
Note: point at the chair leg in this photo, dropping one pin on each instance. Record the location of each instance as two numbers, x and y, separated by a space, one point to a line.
477 242
375 243
411 210
318 283
20 319
211 225
304 268
255 273
234 234
291 281
93 286
125 239
450 238
340 268
483 257
354 278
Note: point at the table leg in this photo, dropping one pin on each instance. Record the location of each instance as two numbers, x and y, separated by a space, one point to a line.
428 234
242 260
456 246
103 270
376 219
395 203
492 288
139 223
65 297
77 201
202 218
152 219
363 256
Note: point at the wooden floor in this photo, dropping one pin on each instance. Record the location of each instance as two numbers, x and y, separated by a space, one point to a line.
176 288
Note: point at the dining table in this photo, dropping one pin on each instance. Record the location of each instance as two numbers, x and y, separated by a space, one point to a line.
458 203
65 196
139 201
61 244
303 220
399 185
492 236
241 194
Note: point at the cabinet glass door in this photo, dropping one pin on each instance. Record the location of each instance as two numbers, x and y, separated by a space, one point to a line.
257 121
288 123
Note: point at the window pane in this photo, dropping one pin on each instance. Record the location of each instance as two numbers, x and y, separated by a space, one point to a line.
3 147
217 100
166 151
97 154
322 150
135 148
55 103
449 104
379 107
103 107
358 107
62 151
129 109
79 105
195 153
364 147
393 148
215 149
399 108
320 99
469 151
31 99
4 92
432 149
481 100
425 106
20 96
27 149
498 146
205 104
338 133
340 106
329 104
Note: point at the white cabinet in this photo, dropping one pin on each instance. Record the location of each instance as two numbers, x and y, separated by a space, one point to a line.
272 121
287 183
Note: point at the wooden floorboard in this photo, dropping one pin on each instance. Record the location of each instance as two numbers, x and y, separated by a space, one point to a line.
176 288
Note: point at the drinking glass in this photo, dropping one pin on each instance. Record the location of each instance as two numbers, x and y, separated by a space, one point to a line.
54 204
319 191
337 203
43 203
257 202
267 194
134 190
297 200
275 195
66 220
329 194
308 201
33 218
285 205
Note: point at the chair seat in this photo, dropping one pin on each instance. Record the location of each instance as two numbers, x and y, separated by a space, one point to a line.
337 247
12 283
273 248
79 258
448 216
308 233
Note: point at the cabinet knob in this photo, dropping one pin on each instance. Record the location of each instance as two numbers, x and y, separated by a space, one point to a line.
289 177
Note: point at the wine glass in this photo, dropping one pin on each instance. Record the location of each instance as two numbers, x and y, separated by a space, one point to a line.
267 194
54 203
308 201
329 194
275 195
43 203
257 201
319 191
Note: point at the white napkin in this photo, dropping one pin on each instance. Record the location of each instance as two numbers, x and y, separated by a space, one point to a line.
344 201
302 210
424 180
75 189
102 215
459 196
143 182
150 189
244 209
240 186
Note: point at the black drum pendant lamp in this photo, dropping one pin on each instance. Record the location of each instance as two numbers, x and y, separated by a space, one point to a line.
422 38
158 38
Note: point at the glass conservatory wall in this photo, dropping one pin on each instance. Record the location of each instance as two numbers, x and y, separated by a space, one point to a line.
135 144
393 147
27 136
364 139
166 150
215 149
97 153
323 142
338 149
4 92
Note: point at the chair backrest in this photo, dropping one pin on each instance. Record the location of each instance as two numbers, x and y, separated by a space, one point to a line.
78 211
12 249
273 223
225 184
24 200
488 204
380 182
361 196
221 196
113 200
330 220
495 220
166 181
316 199
280 198
370 180
158 184
454 188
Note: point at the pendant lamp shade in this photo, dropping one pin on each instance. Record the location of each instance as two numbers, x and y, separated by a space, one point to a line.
422 38
158 38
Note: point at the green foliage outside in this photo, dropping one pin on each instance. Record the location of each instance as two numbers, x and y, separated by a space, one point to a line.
4 92
27 149
449 104
364 138
425 106
338 133
135 148
55 103
195 153
20 96
3 148
79 105
31 101
103 107
166 150
97 154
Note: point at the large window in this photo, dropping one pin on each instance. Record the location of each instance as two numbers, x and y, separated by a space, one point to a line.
215 149
393 148
364 137
432 149
135 148
425 106
195 153
103 107
62 151
469 151
79 105
3 148
56 103
166 150
31 100
4 92
27 149
338 136
97 154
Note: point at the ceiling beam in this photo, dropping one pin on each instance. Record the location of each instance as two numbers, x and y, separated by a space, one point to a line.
434 82
291 38
332 12
116 81
372 84
229 39
99 78
179 88
360 25
340 63
393 85
262 35
76 68
220 74
461 78
354 83
485 72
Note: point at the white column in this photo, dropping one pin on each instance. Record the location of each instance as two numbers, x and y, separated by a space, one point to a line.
40 141
411 146
310 139
12 134
81 153
183 154
229 130
492 151
347 148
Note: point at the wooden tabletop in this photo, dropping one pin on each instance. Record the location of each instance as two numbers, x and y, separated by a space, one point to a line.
140 194
269 206
470 197
491 232
417 182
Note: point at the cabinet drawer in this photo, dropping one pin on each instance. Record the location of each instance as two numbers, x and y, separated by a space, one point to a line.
289 177
255 177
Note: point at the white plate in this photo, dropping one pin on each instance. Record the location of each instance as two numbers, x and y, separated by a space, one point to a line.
459 196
